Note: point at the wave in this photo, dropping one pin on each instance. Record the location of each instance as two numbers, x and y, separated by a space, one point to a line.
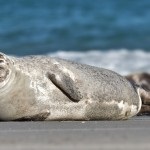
122 61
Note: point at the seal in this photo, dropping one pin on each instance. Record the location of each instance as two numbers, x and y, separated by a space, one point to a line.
143 80
46 88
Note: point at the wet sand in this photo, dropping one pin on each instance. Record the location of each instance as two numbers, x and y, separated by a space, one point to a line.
130 134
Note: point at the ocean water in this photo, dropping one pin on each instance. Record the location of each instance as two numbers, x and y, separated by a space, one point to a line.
113 34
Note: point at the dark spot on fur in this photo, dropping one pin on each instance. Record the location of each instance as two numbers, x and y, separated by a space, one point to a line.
127 113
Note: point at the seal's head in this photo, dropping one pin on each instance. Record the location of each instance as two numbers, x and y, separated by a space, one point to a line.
5 69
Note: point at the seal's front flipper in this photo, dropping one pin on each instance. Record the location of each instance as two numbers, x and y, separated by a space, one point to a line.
65 84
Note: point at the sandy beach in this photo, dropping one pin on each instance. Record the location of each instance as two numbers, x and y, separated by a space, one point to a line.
130 134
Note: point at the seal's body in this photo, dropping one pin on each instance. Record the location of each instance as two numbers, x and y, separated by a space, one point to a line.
44 88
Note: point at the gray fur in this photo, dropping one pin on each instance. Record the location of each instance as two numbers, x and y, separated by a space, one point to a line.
64 90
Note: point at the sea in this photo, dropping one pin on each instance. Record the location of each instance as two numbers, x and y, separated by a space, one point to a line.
113 34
